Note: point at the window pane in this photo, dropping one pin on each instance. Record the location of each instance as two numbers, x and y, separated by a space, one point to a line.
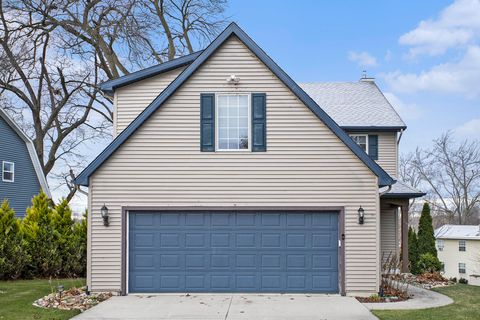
222 101
223 143
243 122
243 102
7 166
223 122
222 133
222 111
7 176
233 144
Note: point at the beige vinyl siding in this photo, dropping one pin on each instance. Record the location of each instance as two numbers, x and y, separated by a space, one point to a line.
388 230
387 152
305 165
131 100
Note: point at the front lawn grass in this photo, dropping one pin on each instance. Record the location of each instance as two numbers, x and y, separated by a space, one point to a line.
16 298
466 306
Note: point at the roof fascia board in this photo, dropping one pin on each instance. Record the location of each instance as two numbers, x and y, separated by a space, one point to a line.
233 29
111 85
403 195
31 151
373 128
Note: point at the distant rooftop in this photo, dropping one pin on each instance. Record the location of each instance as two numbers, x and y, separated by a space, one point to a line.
354 104
450 231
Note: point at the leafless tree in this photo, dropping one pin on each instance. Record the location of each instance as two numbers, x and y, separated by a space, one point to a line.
451 173
409 175
54 54
53 98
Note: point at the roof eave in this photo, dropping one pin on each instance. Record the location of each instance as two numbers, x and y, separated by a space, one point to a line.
374 128
403 195
110 86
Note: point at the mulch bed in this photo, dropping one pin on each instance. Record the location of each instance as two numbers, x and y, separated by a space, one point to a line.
378 299
72 299
425 280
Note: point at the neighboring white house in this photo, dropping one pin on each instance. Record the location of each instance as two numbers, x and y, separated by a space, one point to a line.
459 250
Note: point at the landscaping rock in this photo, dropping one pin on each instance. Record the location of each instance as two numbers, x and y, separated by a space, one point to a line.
72 299
425 280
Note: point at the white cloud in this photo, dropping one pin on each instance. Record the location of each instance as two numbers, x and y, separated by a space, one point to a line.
388 56
407 111
363 59
470 129
462 77
457 25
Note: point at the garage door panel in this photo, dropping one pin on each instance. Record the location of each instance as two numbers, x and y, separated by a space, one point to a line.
233 252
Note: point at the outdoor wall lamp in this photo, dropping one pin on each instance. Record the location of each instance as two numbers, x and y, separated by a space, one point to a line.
361 215
104 212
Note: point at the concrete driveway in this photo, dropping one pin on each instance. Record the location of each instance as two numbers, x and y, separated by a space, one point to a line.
229 307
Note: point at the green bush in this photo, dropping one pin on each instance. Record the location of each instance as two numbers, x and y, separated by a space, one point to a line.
426 237
413 250
463 280
13 256
44 238
428 263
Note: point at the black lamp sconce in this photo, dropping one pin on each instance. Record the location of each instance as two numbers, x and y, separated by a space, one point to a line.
104 212
361 215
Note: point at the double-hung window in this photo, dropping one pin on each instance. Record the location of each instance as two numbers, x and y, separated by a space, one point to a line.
233 125
361 140
440 245
8 171
462 268
462 245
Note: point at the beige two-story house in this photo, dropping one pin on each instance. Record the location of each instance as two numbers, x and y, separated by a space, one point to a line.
225 175
458 248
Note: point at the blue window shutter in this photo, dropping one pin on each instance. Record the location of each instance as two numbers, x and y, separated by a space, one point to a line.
373 146
259 122
207 122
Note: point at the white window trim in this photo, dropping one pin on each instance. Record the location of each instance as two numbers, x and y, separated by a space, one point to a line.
464 245
464 268
249 113
361 135
3 171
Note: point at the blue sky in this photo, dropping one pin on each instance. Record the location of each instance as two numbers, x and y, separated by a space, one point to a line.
425 55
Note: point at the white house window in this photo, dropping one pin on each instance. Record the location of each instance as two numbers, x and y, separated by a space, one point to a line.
233 125
462 246
462 268
440 245
361 140
8 171
442 266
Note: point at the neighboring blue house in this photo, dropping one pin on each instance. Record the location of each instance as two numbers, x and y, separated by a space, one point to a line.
21 173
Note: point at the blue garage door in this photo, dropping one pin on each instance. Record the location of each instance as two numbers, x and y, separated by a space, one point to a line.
226 251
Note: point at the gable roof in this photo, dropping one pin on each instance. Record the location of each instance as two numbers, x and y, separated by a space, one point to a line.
450 231
233 29
355 105
31 151
111 85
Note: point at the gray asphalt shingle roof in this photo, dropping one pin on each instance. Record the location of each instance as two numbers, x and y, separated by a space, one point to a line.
354 104
401 189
